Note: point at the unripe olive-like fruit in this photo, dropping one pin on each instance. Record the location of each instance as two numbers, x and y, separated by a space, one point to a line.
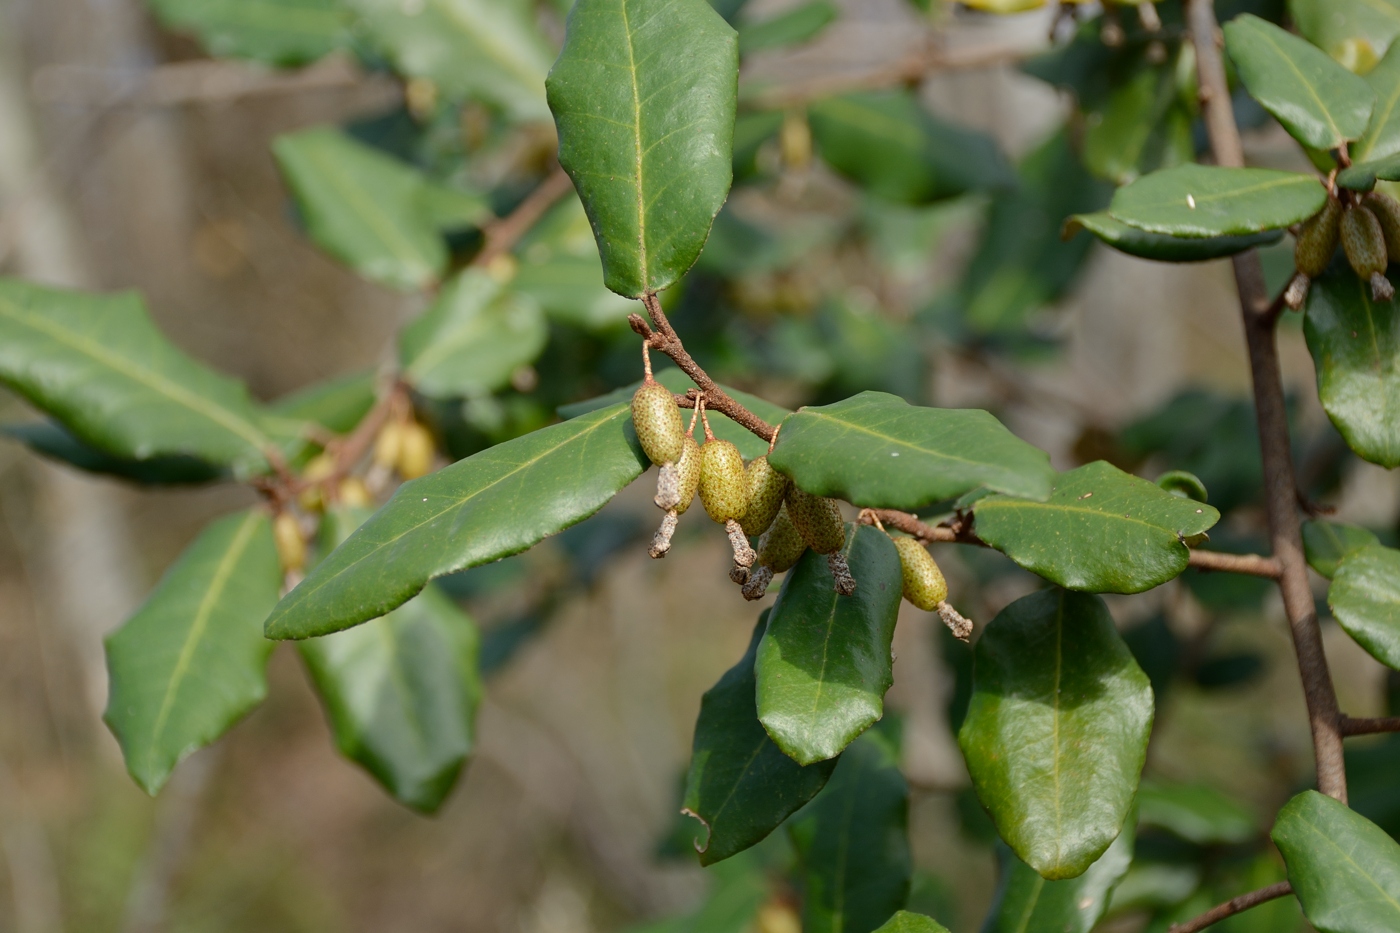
1364 242
724 488
924 585
767 488
415 450
1317 239
386 445
658 422
1387 211
818 520
354 493
688 473
321 467
781 547
291 546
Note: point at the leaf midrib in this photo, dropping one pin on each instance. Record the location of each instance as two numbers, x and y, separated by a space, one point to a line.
1337 136
1011 503
637 143
1331 842
490 46
852 426
1293 179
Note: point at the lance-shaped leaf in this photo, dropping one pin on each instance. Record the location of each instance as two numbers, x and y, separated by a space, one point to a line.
799 24
1327 544
279 32
473 337
1382 139
559 268
905 921
741 785
193 660
336 405
1319 102
1196 812
876 450
823 665
401 691
852 842
54 441
1102 530
1345 870
491 505
1355 345
1161 247
644 96
98 365
1365 598
1027 903
1056 732
1211 201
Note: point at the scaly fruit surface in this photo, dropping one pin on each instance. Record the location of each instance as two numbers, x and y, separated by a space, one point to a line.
1317 239
818 520
1387 211
688 473
658 423
781 546
924 585
767 488
724 488
1364 242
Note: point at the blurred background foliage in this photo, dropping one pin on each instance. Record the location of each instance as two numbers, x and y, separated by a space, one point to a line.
903 172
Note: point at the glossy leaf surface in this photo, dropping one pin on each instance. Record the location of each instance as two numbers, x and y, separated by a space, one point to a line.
1102 530
1053 680
741 785
1365 598
644 95
1319 102
1210 201
878 451
1327 544
472 338
1345 870
1355 345
99 366
853 843
1347 29
1027 903
491 505
279 32
1160 246
54 441
192 660
1362 176
823 665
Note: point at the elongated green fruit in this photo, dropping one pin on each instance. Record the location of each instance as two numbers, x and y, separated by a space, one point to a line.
924 585
724 489
1364 241
688 473
818 520
1387 211
781 546
657 420
767 488
1317 239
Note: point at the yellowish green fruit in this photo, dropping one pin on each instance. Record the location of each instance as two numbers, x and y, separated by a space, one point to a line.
767 488
924 585
1387 211
688 473
658 422
1317 239
354 493
818 520
781 546
415 451
724 488
1364 241
321 467
291 546
386 445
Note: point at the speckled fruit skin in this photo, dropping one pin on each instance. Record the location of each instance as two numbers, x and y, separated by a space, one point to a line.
688 473
724 488
767 488
924 585
818 520
1387 211
658 423
781 547
1317 240
1364 242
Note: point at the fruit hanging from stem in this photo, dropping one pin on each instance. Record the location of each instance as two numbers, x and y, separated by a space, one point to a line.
818 521
766 491
656 418
1364 243
1317 241
779 549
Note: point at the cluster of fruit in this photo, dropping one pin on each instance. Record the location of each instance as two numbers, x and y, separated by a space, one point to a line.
1368 228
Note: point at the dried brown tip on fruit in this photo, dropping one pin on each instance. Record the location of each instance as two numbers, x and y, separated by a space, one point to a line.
657 421
668 488
757 585
1296 295
957 623
661 541
841 573
739 575
743 554
1381 289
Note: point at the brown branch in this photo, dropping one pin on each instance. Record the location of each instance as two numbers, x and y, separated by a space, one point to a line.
1369 726
503 234
348 450
1254 565
1284 526
1233 906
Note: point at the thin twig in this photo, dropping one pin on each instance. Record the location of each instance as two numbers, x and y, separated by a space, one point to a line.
1253 565
1232 907
1285 530
503 234
1369 726
347 451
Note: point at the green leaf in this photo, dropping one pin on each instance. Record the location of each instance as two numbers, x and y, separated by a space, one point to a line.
482 49
1319 102
852 842
192 660
1345 870
886 142
1162 247
1365 598
336 404
1196 812
401 691
1140 128
1362 176
738 889
472 338
741 785
1327 544
1102 530
279 32
905 922
1355 345
877 451
1340 26
1382 139
560 269
799 24
1053 681
823 665
644 96
52 440
1210 201
491 505
1027 903
99 366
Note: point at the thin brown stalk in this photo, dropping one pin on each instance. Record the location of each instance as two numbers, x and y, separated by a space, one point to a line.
503 234
1369 726
1232 907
